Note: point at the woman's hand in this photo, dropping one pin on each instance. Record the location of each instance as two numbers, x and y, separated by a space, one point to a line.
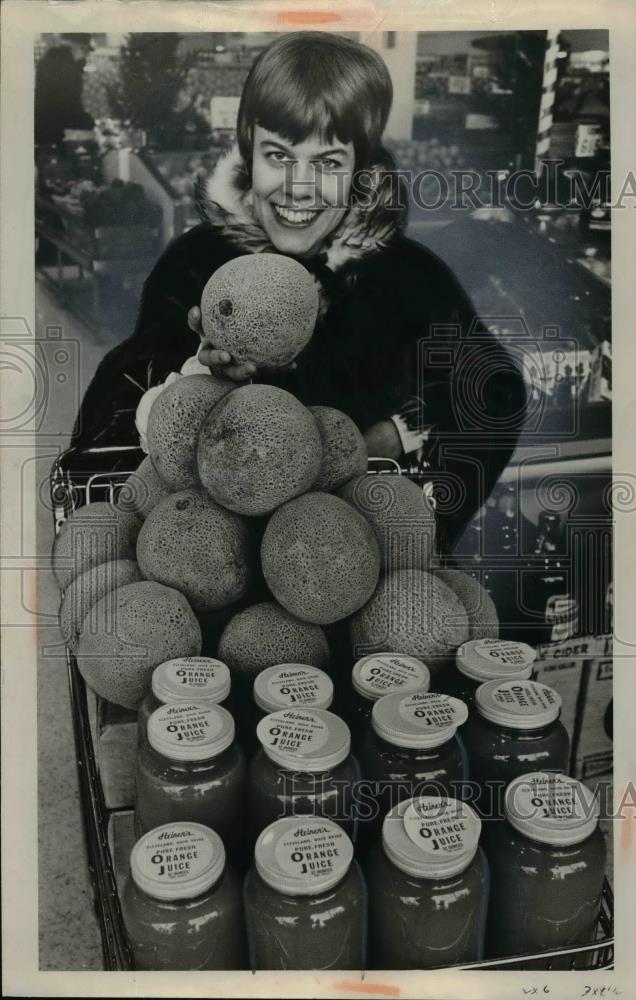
219 362
222 363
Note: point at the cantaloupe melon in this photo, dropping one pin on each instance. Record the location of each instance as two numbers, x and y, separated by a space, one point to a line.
258 448
86 590
261 308
129 632
265 635
143 490
483 621
94 534
320 558
400 515
174 422
412 612
344 452
192 544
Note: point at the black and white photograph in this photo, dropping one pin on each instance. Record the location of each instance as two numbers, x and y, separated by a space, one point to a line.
316 439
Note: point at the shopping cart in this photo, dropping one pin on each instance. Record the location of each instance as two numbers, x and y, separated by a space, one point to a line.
71 489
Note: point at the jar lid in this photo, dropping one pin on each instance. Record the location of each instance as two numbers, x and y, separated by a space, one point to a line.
303 855
191 678
387 673
431 836
177 860
495 659
304 739
551 808
190 730
419 720
518 704
291 684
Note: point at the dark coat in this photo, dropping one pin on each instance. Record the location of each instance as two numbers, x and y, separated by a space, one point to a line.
396 333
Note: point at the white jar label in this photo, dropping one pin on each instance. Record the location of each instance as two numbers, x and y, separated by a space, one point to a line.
432 711
441 827
504 652
386 674
187 724
551 799
297 686
525 697
196 675
179 853
311 851
293 731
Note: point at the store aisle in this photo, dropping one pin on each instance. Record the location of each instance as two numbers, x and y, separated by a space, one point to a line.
68 931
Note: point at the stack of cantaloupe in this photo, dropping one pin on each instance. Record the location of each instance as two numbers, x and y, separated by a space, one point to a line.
254 507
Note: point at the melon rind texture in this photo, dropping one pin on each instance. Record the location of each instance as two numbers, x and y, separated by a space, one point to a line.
411 612
258 448
96 533
265 635
174 422
192 544
344 451
260 308
87 589
483 620
400 515
128 633
143 490
320 558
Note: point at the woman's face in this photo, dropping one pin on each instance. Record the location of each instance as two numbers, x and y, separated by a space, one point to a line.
300 191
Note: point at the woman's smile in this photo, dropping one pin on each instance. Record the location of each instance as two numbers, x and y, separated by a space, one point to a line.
297 217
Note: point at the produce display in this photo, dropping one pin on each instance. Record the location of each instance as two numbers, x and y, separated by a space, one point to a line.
120 203
323 746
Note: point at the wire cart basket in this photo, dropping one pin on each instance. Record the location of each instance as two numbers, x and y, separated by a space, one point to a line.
71 489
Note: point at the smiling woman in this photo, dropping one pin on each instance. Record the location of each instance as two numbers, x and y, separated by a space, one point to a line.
310 178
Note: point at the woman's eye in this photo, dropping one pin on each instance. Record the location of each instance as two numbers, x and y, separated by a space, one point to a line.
277 155
329 164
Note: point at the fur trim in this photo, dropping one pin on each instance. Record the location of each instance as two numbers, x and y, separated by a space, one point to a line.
224 200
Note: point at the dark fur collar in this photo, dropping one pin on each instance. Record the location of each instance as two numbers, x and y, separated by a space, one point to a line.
224 200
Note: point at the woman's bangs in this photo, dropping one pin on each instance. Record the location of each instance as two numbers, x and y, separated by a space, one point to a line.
297 116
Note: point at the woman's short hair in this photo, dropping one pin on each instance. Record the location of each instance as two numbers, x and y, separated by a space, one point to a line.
313 82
